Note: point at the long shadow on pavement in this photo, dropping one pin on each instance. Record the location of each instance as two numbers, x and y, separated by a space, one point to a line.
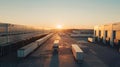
54 59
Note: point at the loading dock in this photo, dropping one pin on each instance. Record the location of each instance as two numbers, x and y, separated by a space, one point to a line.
108 34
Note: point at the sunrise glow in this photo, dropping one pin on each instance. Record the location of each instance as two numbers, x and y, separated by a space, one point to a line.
59 26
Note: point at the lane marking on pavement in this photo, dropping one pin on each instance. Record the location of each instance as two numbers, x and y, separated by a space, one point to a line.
82 41
92 51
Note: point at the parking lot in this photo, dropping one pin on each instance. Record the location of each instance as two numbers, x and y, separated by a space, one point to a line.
95 55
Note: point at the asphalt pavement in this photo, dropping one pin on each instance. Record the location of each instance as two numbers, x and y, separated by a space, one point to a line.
95 55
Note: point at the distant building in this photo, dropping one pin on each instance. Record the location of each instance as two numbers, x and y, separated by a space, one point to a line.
82 33
108 34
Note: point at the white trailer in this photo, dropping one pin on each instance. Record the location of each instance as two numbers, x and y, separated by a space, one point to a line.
77 52
24 51
56 45
42 40
91 39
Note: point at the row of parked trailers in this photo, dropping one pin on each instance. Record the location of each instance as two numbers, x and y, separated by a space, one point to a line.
108 34
26 50
12 33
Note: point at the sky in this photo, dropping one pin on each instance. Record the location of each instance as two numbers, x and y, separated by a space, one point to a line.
68 13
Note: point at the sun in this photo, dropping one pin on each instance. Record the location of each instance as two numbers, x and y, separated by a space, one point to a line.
59 26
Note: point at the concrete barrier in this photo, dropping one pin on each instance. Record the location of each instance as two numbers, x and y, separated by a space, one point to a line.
77 52
90 39
26 50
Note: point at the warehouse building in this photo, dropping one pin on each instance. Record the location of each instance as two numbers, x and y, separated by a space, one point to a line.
108 34
12 33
